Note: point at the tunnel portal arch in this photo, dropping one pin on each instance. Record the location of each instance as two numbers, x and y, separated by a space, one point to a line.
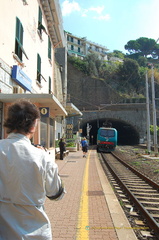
127 134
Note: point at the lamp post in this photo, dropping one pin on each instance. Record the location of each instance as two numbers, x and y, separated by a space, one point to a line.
79 122
88 130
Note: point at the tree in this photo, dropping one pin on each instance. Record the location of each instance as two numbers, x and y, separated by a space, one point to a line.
94 64
78 63
117 54
156 52
152 130
129 75
144 46
142 61
107 71
132 46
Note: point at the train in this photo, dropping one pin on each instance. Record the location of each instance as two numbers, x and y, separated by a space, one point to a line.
106 139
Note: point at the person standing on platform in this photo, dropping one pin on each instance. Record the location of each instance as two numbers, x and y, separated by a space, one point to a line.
27 176
84 145
62 146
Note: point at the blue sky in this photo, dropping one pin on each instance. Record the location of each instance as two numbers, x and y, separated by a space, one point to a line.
111 23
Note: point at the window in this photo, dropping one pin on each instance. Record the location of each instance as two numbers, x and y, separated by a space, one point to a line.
50 85
72 47
79 42
19 50
38 68
71 39
40 20
49 48
79 50
46 123
107 133
40 25
43 134
51 132
97 49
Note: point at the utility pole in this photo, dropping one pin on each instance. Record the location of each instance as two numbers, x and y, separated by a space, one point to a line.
148 116
154 110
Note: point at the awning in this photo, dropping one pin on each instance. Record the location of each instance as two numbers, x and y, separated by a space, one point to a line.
45 100
72 110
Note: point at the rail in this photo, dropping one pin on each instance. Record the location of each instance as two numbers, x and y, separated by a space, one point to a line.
135 193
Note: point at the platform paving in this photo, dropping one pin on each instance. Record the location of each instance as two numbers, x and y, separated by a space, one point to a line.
89 209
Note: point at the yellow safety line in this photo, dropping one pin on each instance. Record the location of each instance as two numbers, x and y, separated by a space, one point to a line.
83 215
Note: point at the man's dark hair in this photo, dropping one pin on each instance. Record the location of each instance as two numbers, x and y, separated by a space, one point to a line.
21 116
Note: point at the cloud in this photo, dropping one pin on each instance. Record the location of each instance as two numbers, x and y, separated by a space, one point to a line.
98 9
69 7
102 17
84 13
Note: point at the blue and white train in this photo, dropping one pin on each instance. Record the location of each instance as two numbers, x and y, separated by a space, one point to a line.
106 139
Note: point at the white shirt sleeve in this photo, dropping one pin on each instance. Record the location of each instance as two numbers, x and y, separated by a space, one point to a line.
53 184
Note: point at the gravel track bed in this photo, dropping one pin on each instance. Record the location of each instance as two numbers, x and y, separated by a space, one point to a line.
136 156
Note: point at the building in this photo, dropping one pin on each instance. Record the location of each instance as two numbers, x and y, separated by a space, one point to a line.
80 47
31 31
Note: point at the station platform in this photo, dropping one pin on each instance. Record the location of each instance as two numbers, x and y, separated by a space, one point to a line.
89 209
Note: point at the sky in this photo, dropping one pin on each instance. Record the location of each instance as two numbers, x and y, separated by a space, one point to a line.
111 23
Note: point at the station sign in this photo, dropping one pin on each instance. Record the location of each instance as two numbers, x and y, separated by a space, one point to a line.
21 78
44 111
69 131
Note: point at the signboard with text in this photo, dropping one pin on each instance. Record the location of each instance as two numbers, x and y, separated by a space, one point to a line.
69 131
21 78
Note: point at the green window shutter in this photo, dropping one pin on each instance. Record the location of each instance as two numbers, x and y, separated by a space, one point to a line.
49 84
49 48
19 39
17 27
38 68
19 31
40 26
40 16
21 34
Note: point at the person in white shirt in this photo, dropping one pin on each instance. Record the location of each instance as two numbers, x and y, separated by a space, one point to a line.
27 176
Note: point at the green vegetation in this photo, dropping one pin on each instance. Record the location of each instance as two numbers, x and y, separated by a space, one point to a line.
56 143
137 163
121 203
143 47
70 144
126 76
152 130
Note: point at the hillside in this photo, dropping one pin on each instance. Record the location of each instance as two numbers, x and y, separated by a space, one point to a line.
88 93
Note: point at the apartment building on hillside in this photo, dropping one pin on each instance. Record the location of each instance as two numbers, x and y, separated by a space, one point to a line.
31 31
80 47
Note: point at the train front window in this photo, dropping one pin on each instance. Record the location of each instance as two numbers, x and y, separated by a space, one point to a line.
107 133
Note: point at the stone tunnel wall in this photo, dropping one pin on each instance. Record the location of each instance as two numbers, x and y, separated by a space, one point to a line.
135 118
88 93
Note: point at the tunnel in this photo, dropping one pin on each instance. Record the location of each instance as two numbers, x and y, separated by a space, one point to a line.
127 134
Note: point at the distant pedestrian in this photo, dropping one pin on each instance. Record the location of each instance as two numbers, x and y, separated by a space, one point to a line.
27 176
62 146
84 145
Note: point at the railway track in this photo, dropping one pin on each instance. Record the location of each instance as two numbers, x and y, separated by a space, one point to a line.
137 193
